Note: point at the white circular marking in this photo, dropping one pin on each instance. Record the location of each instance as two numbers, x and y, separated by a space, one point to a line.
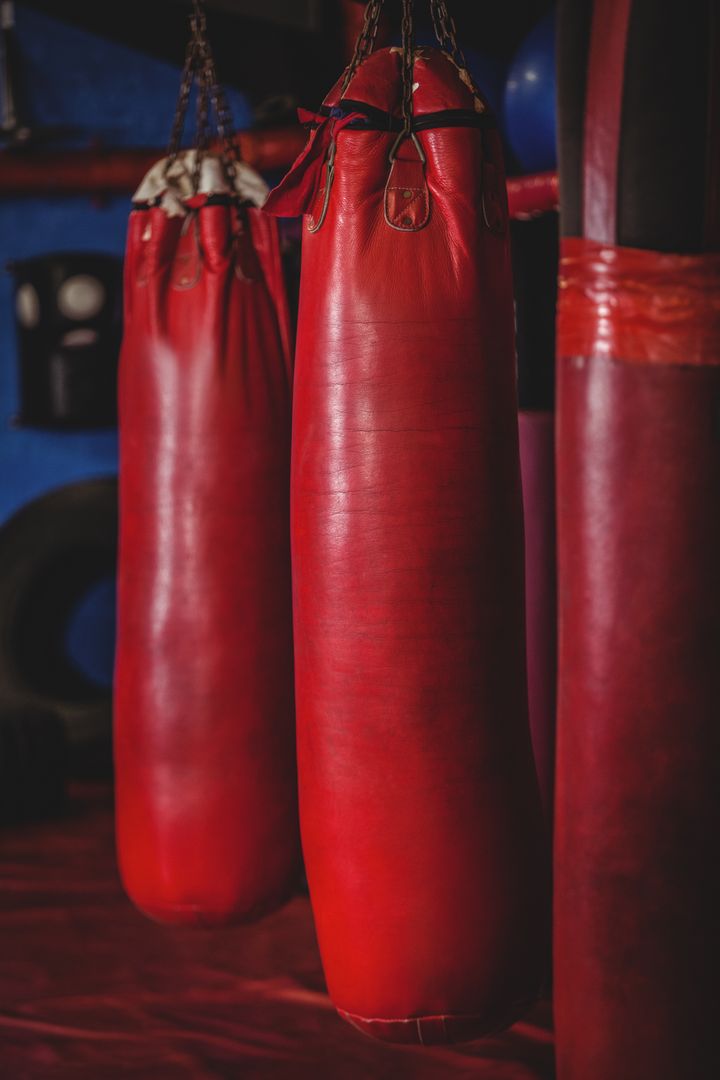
27 305
81 297
85 335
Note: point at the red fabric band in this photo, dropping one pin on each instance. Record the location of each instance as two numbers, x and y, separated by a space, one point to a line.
530 196
638 306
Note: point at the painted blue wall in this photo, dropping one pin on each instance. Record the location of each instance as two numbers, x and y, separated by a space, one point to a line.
97 91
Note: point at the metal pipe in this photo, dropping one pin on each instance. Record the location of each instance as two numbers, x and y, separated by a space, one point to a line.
98 172
529 196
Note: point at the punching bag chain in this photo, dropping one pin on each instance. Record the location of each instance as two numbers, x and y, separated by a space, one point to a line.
188 75
229 154
408 61
199 67
365 42
446 34
408 65
202 137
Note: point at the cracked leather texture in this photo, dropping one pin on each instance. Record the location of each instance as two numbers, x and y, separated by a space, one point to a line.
420 815
204 742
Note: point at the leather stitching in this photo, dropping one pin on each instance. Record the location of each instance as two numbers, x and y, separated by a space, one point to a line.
420 200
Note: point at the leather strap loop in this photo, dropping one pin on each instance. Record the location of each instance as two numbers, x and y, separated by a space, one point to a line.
407 198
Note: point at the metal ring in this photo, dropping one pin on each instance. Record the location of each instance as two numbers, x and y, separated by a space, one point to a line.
418 146
329 177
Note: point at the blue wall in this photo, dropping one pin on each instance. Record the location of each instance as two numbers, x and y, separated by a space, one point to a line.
97 91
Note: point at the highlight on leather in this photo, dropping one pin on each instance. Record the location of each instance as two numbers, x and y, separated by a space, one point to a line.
421 821
532 195
638 306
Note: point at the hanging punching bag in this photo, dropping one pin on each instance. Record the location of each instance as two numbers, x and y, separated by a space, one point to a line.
420 814
204 740
637 942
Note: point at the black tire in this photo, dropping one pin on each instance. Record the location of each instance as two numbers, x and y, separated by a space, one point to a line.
51 552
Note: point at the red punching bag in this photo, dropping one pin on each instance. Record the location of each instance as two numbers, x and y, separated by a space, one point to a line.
204 739
420 815
637 940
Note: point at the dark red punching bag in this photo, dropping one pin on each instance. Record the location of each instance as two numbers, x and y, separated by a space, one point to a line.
637 935
204 737
420 815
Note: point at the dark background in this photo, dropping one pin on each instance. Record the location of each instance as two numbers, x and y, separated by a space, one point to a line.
293 47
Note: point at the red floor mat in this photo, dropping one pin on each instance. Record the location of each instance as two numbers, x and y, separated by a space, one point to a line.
91 990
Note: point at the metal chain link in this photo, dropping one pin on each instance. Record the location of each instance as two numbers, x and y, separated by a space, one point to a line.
365 42
229 153
408 62
446 34
408 71
186 82
202 135
199 67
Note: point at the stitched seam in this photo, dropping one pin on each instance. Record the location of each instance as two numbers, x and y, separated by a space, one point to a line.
408 204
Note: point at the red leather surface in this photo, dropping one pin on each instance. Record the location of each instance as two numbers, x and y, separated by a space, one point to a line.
537 465
89 990
643 306
532 195
437 84
204 741
637 887
603 115
420 816
638 775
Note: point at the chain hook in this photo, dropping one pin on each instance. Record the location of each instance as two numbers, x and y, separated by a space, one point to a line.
392 156
199 67
446 34
408 66
365 42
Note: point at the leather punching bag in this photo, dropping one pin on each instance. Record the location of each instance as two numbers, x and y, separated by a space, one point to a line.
204 740
637 937
420 815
